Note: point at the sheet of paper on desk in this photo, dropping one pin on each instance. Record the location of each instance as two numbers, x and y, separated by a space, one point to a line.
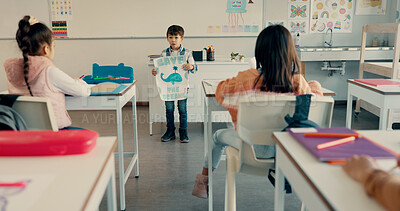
16 198
107 88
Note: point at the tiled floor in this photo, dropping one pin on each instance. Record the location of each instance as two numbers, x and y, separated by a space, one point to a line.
168 170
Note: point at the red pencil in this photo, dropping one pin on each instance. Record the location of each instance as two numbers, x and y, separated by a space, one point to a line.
335 142
336 135
21 184
81 76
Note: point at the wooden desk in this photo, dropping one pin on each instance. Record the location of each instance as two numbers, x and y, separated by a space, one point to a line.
76 182
114 102
321 186
384 99
211 105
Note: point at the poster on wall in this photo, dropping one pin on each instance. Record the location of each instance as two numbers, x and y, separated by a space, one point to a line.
242 16
171 79
331 14
371 7
61 10
298 16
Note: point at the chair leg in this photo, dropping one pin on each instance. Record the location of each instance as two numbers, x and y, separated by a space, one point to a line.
358 106
230 188
303 208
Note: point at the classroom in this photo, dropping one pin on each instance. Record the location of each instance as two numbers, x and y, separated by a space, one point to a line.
148 80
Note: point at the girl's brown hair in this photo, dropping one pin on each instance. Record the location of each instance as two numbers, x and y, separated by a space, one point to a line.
276 58
30 39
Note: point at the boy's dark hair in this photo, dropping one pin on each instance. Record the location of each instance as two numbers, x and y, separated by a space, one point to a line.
175 29
30 39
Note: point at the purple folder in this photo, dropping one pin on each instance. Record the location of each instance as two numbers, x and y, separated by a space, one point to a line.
361 146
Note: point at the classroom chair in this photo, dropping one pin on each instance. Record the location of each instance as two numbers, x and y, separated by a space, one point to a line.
37 112
258 118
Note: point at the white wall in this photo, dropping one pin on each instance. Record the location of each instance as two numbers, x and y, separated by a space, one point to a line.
75 57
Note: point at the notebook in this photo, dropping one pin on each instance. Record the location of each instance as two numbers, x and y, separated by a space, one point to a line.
379 82
361 146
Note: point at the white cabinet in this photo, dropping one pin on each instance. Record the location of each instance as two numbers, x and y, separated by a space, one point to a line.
219 69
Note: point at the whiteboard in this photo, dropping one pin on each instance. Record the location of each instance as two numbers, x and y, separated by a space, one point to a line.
197 17
142 18
11 11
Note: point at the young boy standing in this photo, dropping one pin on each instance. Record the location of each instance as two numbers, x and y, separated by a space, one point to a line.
175 35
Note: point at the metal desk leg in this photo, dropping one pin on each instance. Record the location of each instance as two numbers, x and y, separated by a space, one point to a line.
349 109
120 157
111 193
383 116
209 147
135 136
151 127
279 182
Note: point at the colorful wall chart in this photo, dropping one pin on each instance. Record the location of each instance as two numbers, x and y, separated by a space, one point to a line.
61 10
371 7
298 16
334 14
241 18
59 28
171 79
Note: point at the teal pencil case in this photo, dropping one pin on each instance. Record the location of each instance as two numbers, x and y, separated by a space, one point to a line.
110 73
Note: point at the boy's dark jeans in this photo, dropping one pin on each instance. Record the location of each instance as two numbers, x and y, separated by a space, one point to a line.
169 113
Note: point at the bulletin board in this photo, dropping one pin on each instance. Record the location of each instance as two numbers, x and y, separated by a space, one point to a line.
11 11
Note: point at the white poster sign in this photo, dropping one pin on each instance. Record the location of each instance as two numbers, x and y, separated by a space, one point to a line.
171 79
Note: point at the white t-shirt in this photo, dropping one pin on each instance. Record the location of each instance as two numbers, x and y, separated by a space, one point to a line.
67 85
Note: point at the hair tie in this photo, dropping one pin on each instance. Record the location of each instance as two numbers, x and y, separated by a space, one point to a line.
33 20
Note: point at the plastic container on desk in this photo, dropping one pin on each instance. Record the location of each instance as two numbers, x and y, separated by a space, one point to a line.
117 74
210 55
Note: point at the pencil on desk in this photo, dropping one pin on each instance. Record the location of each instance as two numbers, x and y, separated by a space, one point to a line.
21 184
336 135
81 76
336 142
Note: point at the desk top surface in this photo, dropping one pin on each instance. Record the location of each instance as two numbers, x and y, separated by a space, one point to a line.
331 181
130 85
381 90
56 182
210 87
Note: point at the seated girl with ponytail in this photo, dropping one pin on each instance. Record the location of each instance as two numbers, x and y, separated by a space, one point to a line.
35 74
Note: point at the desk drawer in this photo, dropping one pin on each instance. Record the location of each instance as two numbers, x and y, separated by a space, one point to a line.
91 103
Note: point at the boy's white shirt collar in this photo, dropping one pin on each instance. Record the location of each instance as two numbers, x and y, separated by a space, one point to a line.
180 49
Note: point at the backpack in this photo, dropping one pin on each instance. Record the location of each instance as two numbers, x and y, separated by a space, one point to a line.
298 120
9 118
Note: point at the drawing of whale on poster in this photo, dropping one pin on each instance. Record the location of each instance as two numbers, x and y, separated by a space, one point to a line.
171 79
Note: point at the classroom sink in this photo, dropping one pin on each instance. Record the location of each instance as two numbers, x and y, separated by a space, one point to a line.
342 53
